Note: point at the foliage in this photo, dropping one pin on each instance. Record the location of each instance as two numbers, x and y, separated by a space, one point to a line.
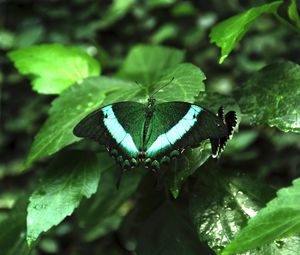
245 202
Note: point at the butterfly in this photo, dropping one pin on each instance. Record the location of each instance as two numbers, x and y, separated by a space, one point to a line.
152 134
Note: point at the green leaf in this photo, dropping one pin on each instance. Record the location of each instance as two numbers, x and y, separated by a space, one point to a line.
66 182
112 14
279 219
104 212
53 67
271 96
240 142
229 32
165 32
220 206
293 13
12 234
182 82
168 231
159 3
145 63
213 101
115 12
73 105
188 163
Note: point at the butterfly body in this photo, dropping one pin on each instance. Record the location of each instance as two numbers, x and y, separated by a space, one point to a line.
152 134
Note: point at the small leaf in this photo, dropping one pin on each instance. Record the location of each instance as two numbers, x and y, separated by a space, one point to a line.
145 63
164 33
73 105
168 231
293 13
271 96
229 32
13 230
279 219
115 12
112 14
53 67
66 182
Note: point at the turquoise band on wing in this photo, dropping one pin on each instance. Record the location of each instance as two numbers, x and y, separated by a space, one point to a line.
176 132
117 131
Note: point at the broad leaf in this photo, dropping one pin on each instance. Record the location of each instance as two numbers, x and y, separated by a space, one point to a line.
271 97
71 176
105 211
182 82
279 219
145 64
73 105
220 206
13 230
168 231
229 32
213 101
53 67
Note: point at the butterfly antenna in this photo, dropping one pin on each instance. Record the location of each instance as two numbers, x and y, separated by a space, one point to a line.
163 86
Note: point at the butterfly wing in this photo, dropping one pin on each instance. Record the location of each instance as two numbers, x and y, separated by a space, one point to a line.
118 126
177 125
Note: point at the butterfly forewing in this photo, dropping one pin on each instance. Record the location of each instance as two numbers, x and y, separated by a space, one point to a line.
116 126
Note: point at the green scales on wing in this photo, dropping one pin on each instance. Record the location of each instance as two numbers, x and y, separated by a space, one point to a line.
152 133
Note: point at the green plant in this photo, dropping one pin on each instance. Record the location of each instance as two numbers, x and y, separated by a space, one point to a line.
205 207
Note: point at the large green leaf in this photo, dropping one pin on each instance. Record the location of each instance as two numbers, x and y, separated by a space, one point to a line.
220 206
71 176
73 105
145 63
53 67
168 231
182 82
104 211
229 32
279 219
13 230
271 96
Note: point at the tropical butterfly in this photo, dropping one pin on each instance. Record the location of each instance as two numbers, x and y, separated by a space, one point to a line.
152 134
